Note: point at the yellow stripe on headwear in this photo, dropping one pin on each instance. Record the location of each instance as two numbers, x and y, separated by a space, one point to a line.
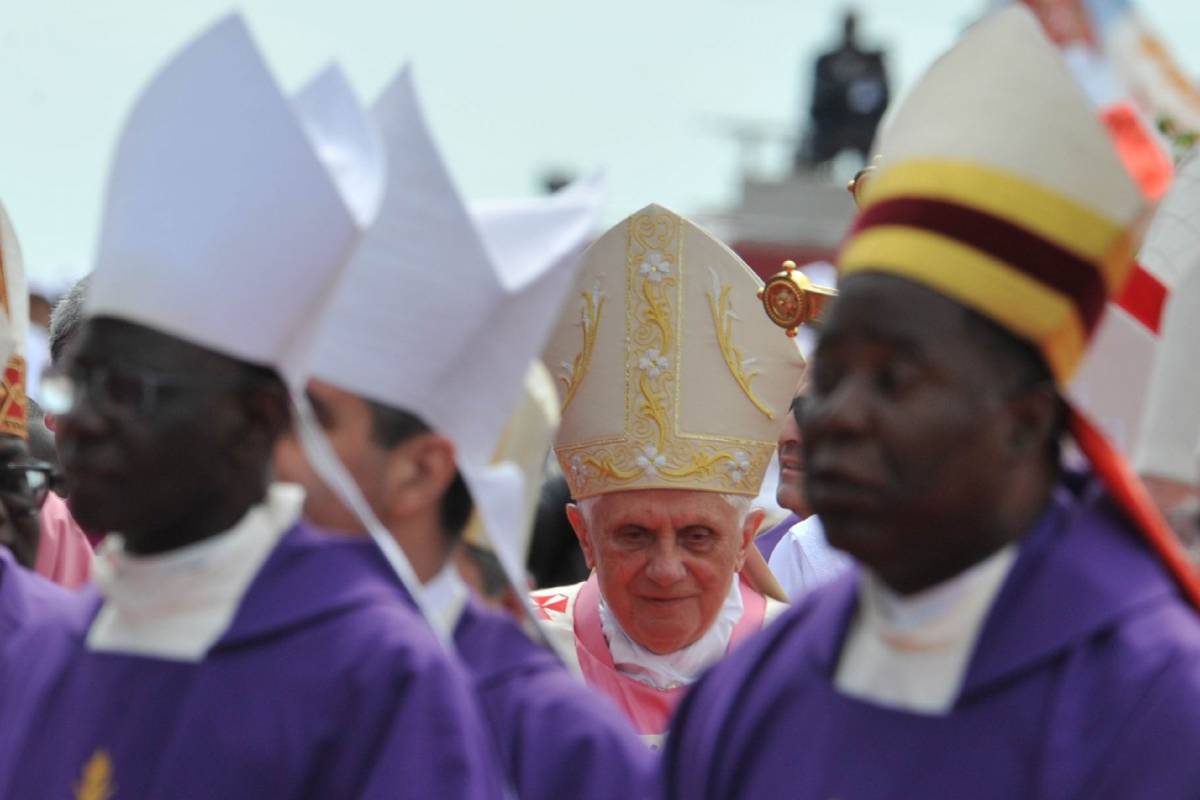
1053 216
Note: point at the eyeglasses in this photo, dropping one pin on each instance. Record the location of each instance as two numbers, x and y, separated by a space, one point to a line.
30 483
119 391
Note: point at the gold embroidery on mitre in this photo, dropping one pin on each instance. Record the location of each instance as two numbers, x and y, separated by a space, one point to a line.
590 311
4 284
652 452
97 780
723 317
14 406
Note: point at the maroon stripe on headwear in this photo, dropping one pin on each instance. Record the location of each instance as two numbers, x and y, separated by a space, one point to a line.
1026 251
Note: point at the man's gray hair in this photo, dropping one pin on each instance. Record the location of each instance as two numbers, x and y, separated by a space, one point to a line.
66 317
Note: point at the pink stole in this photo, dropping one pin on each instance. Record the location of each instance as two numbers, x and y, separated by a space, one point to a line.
648 708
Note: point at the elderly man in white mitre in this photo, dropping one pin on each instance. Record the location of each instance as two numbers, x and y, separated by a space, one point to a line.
674 386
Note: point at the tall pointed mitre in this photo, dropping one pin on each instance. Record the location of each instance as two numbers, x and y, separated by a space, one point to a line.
998 188
525 442
14 328
221 224
996 164
1170 425
669 374
434 316
441 309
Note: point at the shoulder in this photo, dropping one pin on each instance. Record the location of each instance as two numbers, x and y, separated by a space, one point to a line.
494 648
556 601
720 720
339 595
555 609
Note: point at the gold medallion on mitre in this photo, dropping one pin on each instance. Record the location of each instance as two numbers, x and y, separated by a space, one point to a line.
669 374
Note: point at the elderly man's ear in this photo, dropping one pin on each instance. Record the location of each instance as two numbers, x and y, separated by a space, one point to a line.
749 528
579 525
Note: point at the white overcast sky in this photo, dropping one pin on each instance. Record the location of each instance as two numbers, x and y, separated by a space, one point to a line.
511 86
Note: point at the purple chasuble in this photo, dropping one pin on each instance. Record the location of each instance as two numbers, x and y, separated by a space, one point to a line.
26 598
1085 682
767 542
556 738
326 685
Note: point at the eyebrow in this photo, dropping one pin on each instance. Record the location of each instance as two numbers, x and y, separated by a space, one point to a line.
901 342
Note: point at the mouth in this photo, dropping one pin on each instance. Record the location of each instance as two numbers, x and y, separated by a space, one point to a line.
837 491
665 602
790 460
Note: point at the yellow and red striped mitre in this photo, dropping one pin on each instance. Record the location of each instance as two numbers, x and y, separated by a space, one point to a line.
14 328
997 186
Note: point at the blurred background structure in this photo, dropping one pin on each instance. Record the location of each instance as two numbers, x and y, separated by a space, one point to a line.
749 114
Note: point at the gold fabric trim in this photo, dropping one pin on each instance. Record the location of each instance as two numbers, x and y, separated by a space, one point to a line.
590 312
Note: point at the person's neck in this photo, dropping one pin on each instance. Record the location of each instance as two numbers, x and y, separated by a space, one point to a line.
980 538
221 511
424 544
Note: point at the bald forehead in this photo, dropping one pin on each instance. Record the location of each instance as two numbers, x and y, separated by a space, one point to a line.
654 508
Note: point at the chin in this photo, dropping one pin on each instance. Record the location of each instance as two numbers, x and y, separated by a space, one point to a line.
864 539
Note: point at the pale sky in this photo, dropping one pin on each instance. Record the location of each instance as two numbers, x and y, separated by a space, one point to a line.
511 87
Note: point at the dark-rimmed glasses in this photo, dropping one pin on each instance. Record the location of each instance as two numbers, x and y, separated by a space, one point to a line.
121 391
29 482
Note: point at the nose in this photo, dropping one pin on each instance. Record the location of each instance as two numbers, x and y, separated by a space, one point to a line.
665 567
842 412
83 420
789 434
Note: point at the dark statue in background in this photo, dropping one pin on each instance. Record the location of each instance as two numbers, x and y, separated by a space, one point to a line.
850 94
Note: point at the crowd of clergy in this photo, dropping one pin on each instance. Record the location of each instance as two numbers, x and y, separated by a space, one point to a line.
311 418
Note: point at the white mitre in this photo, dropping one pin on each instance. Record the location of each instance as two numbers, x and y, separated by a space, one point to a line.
441 310
669 374
1170 426
222 226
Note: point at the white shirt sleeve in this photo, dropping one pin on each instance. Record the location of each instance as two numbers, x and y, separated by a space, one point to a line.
804 560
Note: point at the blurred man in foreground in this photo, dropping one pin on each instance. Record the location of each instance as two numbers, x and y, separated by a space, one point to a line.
1015 630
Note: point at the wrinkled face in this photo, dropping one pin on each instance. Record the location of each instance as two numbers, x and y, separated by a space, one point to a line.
346 420
904 430
159 433
790 492
664 558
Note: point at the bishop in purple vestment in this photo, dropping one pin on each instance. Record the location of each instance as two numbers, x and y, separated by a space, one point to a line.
1012 630
1085 683
325 685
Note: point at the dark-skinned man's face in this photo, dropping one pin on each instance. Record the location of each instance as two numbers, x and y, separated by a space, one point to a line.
159 436
904 433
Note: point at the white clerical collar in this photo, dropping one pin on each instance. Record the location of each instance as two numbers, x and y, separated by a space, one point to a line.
912 651
681 667
176 605
445 597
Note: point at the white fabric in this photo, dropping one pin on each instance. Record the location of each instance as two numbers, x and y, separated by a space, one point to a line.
215 200
804 560
490 292
682 667
1170 426
346 140
912 652
14 315
461 300
178 604
37 358
446 596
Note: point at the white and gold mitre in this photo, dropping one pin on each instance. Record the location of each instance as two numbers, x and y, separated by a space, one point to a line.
670 375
